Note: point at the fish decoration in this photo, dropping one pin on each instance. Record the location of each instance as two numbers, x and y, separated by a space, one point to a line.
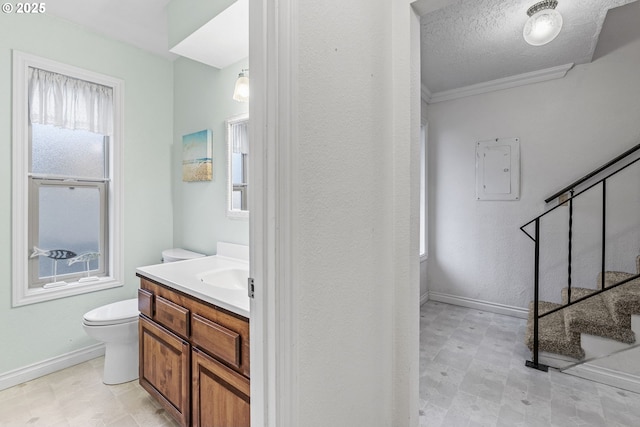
84 257
55 254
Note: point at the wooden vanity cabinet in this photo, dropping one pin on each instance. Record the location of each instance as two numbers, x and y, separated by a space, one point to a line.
194 358
220 396
165 366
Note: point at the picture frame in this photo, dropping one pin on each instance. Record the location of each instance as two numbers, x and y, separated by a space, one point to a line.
197 157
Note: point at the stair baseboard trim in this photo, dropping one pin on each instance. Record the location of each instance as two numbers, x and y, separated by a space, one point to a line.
49 366
556 361
491 307
606 376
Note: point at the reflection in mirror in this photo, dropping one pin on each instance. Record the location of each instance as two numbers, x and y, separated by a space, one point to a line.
237 161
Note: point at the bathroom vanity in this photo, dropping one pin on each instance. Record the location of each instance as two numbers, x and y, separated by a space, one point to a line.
194 343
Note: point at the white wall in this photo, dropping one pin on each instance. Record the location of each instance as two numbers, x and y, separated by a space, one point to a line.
566 128
202 100
356 214
41 331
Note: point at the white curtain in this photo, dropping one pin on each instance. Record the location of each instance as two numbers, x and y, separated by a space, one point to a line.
70 103
240 137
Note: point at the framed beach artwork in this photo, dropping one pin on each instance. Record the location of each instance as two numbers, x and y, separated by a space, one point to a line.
197 162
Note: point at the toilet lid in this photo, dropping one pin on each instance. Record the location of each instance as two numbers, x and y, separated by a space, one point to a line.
179 254
113 314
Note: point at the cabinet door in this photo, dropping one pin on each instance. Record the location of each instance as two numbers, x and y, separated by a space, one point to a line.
164 369
220 395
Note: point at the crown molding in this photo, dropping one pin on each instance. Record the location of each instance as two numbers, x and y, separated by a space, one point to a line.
498 84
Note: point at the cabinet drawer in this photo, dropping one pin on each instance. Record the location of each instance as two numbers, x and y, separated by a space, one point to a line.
145 302
173 316
216 339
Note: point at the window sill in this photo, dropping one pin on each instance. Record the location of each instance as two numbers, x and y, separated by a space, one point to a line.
40 294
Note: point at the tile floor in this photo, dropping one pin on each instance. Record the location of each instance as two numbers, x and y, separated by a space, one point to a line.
472 373
76 396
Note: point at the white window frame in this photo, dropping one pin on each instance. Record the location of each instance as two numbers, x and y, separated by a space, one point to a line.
22 294
235 213
35 185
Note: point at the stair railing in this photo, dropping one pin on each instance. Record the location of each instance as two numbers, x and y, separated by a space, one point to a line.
590 175
536 239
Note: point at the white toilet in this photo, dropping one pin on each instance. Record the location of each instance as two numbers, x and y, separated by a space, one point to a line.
116 325
178 254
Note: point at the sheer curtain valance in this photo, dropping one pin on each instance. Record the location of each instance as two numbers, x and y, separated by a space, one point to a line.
70 103
240 137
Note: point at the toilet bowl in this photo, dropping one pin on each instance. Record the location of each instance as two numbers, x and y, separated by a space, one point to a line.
116 325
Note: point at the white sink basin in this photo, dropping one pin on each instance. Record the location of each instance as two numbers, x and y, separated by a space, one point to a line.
219 279
228 278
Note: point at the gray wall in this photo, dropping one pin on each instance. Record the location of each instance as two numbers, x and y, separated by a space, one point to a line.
567 127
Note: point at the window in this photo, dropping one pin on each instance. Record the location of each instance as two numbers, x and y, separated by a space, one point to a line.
239 181
238 152
66 180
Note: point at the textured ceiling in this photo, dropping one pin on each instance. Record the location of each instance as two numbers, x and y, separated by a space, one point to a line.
475 41
468 42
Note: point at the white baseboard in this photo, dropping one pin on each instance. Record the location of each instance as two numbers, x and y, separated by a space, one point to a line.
39 369
424 298
606 376
491 307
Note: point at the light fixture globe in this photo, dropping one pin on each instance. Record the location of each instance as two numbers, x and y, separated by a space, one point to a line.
241 90
544 23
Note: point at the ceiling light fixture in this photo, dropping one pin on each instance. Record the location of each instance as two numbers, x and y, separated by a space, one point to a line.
241 91
544 23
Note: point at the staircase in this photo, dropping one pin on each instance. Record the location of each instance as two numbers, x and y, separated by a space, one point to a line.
589 331
569 335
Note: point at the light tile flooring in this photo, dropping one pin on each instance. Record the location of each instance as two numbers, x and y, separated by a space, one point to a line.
76 396
472 373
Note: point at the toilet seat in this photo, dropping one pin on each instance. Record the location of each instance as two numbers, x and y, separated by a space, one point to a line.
113 314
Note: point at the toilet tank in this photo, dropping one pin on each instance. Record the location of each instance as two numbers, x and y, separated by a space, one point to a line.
179 254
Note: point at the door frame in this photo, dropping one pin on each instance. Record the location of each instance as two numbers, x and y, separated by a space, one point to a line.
272 180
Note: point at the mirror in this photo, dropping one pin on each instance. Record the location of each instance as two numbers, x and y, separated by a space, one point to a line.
237 162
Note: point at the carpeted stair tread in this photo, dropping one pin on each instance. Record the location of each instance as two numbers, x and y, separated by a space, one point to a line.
624 300
553 337
607 314
576 293
612 277
592 316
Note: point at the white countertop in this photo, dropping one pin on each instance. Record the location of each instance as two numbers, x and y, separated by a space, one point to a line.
184 276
